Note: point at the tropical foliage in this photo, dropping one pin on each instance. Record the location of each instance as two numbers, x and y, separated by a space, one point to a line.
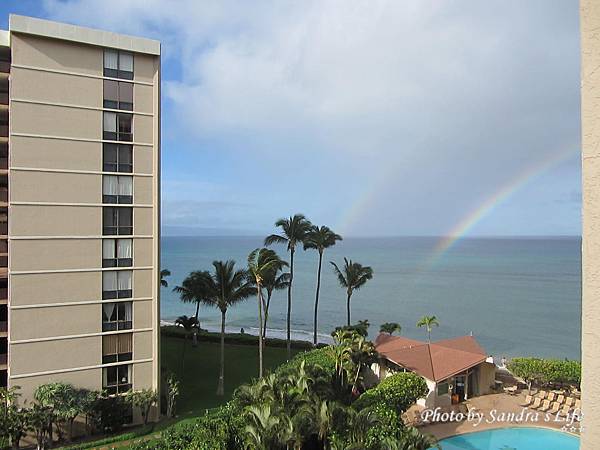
546 371
309 402
352 276
390 328
428 322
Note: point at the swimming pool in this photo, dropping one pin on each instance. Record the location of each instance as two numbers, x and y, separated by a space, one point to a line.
512 439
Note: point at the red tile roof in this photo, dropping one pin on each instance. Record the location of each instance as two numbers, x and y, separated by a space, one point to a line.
435 361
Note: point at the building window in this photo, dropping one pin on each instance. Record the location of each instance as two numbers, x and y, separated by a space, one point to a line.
117 220
117 284
118 64
118 126
117 316
117 379
118 95
117 348
117 158
443 388
117 252
117 189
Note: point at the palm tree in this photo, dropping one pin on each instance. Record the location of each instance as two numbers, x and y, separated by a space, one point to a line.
352 277
163 277
195 288
294 231
273 281
429 322
390 328
260 262
319 238
227 287
188 324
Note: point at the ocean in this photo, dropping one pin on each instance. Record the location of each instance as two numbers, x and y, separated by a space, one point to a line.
518 296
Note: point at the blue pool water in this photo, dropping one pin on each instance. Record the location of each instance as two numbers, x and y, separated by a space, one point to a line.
512 439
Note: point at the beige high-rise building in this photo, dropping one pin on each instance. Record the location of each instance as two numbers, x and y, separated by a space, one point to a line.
79 207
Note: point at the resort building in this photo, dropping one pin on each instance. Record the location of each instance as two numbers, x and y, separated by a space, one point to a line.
79 207
456 367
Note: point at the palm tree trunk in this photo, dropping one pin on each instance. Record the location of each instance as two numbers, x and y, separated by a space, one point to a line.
289 307
269 294
195 335
221 385
260 330
348 306
317 298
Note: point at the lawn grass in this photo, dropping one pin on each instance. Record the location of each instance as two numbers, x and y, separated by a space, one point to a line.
198 385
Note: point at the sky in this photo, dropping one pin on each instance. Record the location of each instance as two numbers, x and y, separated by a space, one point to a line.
376 117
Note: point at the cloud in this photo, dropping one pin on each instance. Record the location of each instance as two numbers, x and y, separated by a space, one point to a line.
448 100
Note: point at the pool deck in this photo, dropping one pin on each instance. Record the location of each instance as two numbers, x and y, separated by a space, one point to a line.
496 411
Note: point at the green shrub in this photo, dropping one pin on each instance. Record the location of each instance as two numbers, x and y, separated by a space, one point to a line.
397 391
109 414
544 371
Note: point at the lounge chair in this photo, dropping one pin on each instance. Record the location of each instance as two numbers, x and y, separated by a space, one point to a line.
560 399
537 402
569 402
551 396
528 401
565 410
555 408
545 406
578 404
541 394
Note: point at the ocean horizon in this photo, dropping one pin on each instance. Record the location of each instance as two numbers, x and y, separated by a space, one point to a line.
511 292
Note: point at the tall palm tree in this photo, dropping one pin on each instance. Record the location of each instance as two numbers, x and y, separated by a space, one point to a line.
352 276
428 322
390 328
227 287
188 324
163 277
293 232
260 262
319 238
195 288
273 281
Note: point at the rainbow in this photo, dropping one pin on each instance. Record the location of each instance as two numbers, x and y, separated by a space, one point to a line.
462 228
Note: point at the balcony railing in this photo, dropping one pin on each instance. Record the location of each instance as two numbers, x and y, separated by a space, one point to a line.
3 194
3 163
3 293
4 66
3 327
3 228
3 359
3 98
3 130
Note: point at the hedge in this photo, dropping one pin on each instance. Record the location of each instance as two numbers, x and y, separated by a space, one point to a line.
398 391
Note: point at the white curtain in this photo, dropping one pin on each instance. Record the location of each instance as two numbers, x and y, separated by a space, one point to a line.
110 59
124 280
110 122
125 185
108 248
108 309
110 185
126 61
128 312
124 249
109 281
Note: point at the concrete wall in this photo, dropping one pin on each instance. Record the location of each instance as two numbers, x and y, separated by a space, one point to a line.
590 118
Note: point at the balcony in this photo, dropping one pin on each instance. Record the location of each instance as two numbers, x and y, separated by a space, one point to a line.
3 296
3 361
3 195
3 329
3 228
4 69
